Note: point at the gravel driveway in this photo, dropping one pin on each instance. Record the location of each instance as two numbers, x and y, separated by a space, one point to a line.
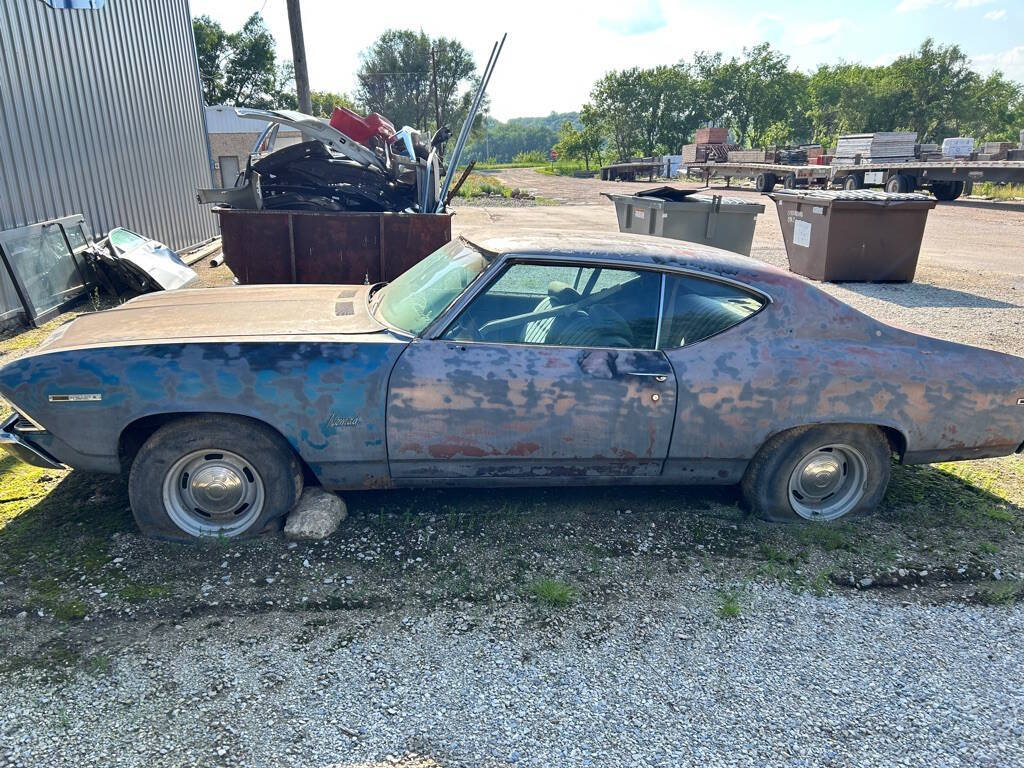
794 681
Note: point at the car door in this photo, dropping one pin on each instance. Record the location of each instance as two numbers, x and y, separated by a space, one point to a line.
550 372
718 361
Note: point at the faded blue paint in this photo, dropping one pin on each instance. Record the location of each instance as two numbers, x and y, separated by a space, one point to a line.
500 414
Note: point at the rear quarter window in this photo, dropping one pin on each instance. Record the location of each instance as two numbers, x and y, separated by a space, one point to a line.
696 309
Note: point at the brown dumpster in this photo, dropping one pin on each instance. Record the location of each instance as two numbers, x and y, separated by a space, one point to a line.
853 235
327 247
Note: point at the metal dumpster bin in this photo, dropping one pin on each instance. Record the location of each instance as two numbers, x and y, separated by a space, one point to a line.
722 222
327 247
853 235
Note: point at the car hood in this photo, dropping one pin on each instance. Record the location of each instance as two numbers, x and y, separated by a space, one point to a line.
248 312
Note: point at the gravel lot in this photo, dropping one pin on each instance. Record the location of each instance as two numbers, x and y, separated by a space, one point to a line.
794 682
593 627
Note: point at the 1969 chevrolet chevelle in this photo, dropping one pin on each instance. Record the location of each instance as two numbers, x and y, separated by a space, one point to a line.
537 360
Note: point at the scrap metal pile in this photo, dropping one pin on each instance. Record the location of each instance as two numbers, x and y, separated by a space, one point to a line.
351 163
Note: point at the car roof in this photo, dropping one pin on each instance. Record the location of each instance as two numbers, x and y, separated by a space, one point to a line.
638 250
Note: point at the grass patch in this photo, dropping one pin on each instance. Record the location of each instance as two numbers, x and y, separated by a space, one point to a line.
729 605
483 185
552 592
1006 593
140 593
999 191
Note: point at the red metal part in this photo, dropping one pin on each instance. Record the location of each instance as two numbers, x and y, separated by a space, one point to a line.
362 129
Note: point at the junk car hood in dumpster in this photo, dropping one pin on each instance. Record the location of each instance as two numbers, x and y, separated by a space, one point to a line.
209 313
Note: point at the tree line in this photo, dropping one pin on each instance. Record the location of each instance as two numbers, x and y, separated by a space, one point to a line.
413 79
933 91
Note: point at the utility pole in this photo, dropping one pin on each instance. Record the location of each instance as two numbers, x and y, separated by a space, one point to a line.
299 57
433 87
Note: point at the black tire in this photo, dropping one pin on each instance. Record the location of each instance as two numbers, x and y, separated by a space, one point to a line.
897 183
947 190
790 181
766 485
853 181
765 182
270 464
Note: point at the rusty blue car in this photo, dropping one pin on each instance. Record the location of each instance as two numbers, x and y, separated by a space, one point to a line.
540 359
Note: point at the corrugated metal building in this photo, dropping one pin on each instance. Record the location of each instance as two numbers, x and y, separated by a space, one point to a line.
103 115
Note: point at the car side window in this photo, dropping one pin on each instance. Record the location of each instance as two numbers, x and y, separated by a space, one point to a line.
566 306
696 309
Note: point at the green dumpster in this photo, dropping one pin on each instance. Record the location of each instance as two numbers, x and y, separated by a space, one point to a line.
680 214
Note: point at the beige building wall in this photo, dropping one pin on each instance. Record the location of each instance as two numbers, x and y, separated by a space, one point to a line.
238 146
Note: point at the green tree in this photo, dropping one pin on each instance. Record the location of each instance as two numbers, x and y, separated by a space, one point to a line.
212 51
240 68
581 143
324 102
395 79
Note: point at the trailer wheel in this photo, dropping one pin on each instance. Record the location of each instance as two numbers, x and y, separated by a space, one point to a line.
853 181
947 190
897 183
765 182
790 181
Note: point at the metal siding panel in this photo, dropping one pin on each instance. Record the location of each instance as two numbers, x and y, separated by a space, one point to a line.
103 115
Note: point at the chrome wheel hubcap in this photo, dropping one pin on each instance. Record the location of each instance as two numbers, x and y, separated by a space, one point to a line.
828 482
213 493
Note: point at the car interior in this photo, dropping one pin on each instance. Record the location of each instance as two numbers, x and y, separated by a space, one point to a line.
589 307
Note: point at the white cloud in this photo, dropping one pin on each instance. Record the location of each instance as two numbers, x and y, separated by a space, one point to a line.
907 6
995 15
1009 62
817 32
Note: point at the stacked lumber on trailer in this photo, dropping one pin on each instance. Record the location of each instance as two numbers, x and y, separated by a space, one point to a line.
707 153
711 136
995 150
752 156
886 146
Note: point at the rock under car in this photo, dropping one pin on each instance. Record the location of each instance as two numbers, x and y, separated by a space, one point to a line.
548 359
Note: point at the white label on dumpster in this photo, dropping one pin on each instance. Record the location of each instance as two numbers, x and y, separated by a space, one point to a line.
637 213
818 210
802 233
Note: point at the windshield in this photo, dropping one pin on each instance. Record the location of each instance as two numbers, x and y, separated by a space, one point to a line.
416 297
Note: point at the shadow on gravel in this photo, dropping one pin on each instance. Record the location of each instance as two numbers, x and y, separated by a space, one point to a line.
914 295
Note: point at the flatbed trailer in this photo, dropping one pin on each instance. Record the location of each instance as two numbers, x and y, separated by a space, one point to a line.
765 175
946 179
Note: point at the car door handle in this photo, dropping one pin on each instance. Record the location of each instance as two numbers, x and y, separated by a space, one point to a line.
656 376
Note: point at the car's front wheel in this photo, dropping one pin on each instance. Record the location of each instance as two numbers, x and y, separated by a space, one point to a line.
819 473
214 476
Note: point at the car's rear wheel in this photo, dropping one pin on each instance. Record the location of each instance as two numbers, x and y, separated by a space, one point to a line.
819 473
216 476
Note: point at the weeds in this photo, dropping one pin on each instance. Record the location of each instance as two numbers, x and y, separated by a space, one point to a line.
552 592
729 605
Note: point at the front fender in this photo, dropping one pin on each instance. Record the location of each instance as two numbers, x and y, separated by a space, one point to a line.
326 399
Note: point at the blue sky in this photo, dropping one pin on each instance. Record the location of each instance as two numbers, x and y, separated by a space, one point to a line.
555 51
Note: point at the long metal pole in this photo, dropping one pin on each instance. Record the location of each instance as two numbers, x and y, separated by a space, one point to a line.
467 126
299 57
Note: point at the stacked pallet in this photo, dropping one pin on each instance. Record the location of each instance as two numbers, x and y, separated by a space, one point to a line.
711 136
887 146
995 150
707 153
752 156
